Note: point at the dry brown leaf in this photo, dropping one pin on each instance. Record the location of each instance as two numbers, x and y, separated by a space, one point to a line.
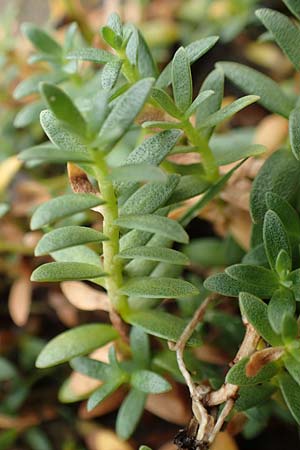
79 180
19 300
224 441
173 406
64 310
8 168
84 297
98 438
271 132
261 358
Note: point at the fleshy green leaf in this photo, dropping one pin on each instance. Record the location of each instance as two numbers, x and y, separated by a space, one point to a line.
28 114
251 396
291 393
31 84
182 80
41 40
124 112
236 153
149 382
214 81
63 107
201 97
293 367
272 177
137 173
110 74
294 132
75 342
228 111
275 237
7 370
130 413
253 82
237 374
66 271
149 197
95 55
166 102
287 214
155 224
50 153
162 324
289 328
60 135
282 302
140 347
285 33
155 254
194 51
263 278
62 206
103 392
256 312
69 236
160 287
293 6
91 368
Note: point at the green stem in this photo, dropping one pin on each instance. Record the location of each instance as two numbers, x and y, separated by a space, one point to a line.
208 159
129 71
112 265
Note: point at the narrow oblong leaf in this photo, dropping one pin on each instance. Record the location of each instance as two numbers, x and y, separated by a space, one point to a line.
75 342
137 173
103 392
293 6
124 112
31 84
253 82
66 271
41 40
256 312
237 374
91 368
149 197
149 382
285 33
162 324
140 347
95 55
68 236
291 393
255 395
215 82
62 206
282 302
50 153
194 51
110 74
259 276
201 97
272 177
275 237
228 111
155 254
63 107
294 132
160 287
236 154
293 367
287 214
155 224
181 80
130 413
166 102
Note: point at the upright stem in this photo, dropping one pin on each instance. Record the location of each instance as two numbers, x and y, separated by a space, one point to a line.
112 265
208 159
